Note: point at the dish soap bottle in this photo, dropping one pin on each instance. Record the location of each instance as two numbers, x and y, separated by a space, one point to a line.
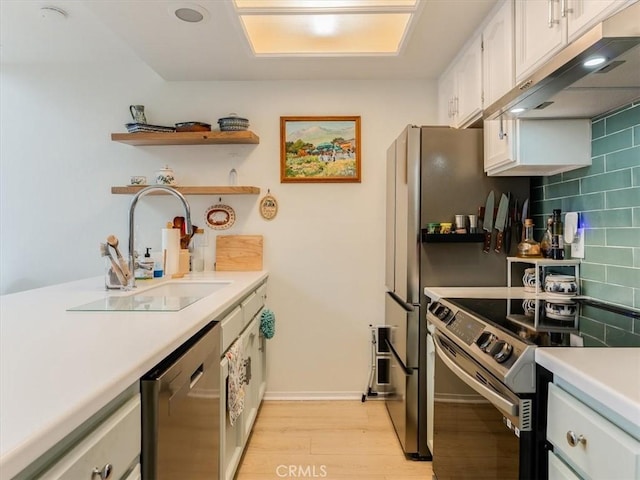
528 247
145 267
545 242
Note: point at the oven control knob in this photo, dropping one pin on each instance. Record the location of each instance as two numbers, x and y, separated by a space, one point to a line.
485 340
501 351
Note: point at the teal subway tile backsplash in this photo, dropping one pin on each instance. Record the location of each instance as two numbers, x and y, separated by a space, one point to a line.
623 237
612 143
607 196
627 158
623 120
606 181
626 197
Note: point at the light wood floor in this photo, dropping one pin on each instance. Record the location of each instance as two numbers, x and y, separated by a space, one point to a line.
342 440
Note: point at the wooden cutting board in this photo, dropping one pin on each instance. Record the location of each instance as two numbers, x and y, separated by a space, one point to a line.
238 253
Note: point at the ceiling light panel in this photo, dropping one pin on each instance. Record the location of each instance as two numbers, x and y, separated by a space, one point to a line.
325 34
326 27
323 4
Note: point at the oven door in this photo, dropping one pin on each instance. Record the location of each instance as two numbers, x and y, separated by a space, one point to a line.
476 419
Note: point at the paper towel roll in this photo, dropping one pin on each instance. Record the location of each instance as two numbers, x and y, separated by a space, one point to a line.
171 245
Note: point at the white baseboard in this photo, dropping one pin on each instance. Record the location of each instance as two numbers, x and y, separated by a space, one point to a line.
312 395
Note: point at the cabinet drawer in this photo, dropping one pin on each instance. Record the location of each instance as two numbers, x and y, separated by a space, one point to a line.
116 441
232 325
252 305
605 452
558 470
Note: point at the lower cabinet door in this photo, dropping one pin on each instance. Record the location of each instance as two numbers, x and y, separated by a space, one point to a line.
558 470
109 450
135 474
230 435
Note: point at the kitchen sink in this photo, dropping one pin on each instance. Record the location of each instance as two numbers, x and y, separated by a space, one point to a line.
171 296
182 289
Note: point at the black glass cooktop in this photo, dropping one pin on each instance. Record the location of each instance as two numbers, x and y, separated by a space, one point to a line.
530 319
548 322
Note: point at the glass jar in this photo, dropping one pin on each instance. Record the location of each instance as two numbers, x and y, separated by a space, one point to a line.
545 242
528 247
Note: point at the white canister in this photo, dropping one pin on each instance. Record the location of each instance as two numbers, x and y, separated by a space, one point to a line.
165 176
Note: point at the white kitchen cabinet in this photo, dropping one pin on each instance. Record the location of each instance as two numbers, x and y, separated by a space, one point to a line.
497 55
110 450
460 88
544 27
242 325
536 147
592 445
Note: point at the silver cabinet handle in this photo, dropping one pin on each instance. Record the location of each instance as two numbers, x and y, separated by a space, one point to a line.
573 439
564 10
501 133
552 22
102 473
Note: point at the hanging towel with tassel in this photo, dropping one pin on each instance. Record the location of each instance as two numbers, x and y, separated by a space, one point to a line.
267 323
235 384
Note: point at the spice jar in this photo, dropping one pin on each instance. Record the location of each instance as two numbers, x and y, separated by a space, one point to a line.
165 176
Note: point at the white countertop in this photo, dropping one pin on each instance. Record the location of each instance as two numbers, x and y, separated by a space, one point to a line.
609 375
58 368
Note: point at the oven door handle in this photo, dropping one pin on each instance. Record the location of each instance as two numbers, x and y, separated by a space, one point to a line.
407 371
497 400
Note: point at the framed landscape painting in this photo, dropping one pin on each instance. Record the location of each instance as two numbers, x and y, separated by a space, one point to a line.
319 149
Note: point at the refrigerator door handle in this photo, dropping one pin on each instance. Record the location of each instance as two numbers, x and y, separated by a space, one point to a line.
407 306
407 371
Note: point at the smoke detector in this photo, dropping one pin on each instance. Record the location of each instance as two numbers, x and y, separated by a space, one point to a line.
188 12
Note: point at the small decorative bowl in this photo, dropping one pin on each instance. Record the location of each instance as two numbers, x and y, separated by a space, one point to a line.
138 180
561 285
529 279
560 309
193 127
233 123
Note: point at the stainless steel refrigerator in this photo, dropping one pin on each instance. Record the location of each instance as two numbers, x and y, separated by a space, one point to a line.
433 174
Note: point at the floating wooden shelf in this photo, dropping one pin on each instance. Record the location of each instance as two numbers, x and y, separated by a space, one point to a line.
194 190
186 138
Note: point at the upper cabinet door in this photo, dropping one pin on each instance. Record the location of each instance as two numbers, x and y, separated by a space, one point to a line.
540 31
582 14
497 55
469 83
446 98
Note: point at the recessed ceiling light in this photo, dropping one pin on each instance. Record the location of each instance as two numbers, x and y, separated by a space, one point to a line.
188 12
594 62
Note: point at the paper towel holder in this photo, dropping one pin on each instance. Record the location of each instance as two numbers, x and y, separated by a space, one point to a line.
574 234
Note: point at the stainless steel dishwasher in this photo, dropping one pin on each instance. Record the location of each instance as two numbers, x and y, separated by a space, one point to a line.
181 411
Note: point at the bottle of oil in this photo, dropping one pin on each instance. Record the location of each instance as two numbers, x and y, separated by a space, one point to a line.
545 242
528 247
557 236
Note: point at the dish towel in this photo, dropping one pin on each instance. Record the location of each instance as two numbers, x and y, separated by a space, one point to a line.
267 323
235 384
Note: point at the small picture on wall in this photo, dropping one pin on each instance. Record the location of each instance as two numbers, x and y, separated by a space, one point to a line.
319 149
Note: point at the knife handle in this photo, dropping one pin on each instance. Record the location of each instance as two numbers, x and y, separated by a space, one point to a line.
487 242
499 240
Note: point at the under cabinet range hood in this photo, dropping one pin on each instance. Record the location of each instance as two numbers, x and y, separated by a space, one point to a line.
564 87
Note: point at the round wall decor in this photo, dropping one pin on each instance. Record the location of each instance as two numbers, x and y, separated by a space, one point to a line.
220 216
268 206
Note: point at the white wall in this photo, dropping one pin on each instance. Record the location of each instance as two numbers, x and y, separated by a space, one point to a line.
324 250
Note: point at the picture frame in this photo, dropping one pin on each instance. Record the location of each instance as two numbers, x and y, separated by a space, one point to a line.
320 149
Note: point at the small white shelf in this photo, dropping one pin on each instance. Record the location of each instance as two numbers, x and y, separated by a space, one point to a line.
541 264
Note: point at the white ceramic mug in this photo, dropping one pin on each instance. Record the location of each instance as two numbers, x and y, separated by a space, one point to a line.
529 279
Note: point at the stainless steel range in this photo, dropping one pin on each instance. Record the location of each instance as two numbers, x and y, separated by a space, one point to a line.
485 384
